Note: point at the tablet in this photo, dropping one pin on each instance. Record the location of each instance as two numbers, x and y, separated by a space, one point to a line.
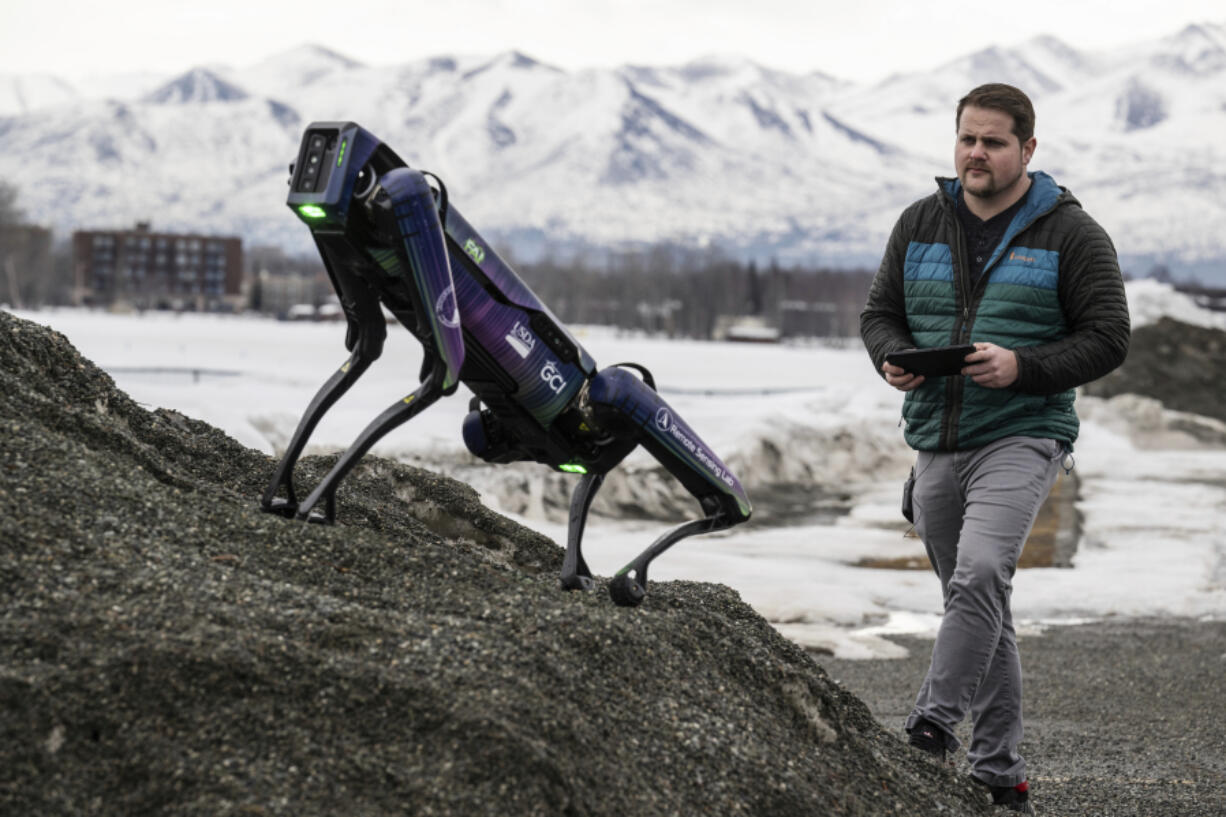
937 361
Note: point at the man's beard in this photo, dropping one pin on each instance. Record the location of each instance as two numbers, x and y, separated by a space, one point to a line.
990 188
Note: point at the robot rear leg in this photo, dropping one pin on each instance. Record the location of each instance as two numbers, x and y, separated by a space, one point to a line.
629 408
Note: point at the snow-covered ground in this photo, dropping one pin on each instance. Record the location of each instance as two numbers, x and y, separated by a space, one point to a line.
1153 499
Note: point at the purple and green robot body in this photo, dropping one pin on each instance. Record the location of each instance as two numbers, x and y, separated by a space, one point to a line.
391 240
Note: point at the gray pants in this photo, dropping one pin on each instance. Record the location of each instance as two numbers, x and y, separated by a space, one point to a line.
974 510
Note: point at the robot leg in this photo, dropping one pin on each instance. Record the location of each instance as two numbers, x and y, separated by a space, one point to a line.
627 406
395 415
575 572
366 333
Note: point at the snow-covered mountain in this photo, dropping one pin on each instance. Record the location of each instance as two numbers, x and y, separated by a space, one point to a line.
720 151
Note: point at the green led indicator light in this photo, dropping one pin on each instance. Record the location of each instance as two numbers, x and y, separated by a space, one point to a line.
312 211
341 153
572 468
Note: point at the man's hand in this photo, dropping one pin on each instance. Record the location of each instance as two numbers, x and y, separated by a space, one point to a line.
991 366
900 378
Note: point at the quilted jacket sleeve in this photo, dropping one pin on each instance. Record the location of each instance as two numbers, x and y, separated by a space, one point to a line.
1092 297
883 323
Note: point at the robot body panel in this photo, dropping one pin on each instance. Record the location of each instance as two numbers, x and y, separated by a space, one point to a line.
490 266
451 295
545 385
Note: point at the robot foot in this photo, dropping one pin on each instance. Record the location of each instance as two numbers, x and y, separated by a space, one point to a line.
281 507
574 581
625 591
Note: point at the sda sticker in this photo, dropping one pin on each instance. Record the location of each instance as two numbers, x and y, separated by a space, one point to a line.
521 340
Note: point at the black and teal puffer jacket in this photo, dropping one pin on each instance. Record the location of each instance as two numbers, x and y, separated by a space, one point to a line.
1051 291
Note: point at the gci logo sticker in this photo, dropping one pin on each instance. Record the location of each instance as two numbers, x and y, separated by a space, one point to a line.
663 419
447 309
552 377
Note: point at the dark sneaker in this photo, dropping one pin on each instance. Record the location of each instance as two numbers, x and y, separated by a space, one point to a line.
1014 798
928 738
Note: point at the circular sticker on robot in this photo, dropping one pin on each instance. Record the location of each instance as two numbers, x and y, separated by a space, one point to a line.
664 419
447 309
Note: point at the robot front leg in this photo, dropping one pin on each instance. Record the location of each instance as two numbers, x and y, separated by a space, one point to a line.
366 333
400 412
328 394
629 408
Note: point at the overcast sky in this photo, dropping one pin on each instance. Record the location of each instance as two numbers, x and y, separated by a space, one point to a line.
852 39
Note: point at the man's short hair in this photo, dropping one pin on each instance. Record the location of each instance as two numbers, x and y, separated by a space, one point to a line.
997 96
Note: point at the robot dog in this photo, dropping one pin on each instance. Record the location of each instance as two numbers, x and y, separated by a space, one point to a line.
390 240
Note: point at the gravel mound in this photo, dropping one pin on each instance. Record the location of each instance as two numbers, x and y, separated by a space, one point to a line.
1180 364
166 648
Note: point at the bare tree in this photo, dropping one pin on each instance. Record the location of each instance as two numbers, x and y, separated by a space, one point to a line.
679 290
10 216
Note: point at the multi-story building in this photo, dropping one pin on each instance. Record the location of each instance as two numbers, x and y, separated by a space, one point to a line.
148 270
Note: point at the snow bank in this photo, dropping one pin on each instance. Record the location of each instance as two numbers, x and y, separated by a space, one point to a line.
1152 492
1149 300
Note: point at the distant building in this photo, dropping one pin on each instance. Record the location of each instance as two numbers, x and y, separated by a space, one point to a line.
146 270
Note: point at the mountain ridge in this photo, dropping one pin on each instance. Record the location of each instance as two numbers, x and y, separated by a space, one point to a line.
720 151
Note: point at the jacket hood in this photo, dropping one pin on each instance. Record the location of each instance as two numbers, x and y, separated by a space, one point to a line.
1043 196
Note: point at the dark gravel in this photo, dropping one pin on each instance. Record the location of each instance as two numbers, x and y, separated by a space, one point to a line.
165 648
1123 718
1179 364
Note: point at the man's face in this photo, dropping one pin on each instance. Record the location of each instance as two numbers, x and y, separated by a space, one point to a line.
989 159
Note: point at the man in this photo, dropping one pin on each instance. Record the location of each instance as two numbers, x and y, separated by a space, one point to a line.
1007 260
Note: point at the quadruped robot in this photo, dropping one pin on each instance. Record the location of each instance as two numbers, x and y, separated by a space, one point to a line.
391 239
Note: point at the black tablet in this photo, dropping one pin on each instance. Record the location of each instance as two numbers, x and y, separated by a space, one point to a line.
938 361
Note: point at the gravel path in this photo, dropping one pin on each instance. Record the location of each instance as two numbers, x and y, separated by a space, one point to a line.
1123 718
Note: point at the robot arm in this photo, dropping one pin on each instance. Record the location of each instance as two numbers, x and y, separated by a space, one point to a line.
388 239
